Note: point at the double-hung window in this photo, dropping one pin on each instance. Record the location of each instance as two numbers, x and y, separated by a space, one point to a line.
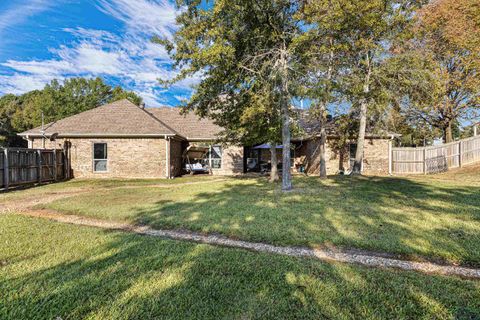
100 157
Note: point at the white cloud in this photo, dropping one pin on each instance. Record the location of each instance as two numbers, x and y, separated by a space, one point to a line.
143 16
130 57
20 83
48 67
18 13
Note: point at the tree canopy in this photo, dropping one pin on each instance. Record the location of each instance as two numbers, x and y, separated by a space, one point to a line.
56 101
447 44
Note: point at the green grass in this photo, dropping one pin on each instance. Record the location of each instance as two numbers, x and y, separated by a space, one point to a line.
95 184
437 217
50 270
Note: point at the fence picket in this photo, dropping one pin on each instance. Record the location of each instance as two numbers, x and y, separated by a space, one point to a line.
21 166
434 159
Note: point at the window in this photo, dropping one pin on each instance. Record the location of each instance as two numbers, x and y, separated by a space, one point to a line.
100 157
215 156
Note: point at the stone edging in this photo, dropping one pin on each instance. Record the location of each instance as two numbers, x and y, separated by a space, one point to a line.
321 254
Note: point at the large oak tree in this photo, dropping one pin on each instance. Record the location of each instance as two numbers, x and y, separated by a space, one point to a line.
447 46
241 48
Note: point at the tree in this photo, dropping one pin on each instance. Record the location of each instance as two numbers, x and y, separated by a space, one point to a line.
322 46
239 47
7 110
447 42
118 93
55 101
375 27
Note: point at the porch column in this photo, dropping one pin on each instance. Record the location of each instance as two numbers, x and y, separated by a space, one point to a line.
210 159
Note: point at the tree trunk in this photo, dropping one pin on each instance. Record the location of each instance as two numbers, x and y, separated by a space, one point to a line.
447 133
274 161
285 109
323 140
323 115
286 175
357 166
341 159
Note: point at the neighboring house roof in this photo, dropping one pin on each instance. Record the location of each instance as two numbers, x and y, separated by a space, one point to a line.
188 125
119 118
310 128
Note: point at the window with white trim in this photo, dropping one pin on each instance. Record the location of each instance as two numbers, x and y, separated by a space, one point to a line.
215 156
100 157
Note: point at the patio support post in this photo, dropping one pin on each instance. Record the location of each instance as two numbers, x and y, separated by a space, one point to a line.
210 159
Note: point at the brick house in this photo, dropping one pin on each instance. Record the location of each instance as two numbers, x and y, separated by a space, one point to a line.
123 140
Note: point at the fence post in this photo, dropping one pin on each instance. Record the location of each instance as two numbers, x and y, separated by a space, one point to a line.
390 156
424 160
54 164
6 173
460 151
39 164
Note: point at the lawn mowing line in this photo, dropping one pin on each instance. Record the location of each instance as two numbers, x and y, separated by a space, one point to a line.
320 254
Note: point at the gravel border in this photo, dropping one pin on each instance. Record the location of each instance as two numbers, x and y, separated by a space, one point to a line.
357 257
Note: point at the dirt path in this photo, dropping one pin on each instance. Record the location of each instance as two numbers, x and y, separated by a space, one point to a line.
27 203
351 256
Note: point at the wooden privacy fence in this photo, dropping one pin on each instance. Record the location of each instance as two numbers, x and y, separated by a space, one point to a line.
20 166
435 159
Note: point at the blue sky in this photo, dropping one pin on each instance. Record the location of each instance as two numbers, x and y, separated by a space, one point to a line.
45 39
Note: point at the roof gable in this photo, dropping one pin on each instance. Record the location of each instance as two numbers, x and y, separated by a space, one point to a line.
121 118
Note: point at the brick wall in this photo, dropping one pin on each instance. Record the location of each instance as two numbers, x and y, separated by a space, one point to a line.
145 158
127 158
375 157
232 161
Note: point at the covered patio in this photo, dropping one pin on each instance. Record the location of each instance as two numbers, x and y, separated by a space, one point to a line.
258 158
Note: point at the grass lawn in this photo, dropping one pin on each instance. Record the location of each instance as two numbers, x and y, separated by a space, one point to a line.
433 216
50 270
95 184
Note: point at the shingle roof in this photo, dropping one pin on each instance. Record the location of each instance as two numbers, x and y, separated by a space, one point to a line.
121 118
187 125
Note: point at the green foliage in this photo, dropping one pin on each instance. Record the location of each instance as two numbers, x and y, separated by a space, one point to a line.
236 46
245 51
443 60
55 101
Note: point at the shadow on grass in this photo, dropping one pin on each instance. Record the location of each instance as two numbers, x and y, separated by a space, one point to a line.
395 215
134 277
